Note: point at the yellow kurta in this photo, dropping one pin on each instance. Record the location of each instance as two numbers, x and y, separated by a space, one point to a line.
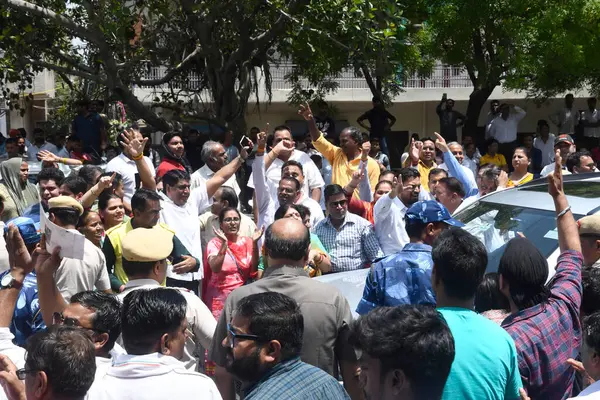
341 168
423 171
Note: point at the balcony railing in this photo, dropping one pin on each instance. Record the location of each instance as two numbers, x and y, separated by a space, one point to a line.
442 77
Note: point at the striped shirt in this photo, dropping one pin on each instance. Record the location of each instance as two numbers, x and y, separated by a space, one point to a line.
353 246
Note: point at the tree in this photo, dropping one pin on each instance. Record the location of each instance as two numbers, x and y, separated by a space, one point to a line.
226 47
506 42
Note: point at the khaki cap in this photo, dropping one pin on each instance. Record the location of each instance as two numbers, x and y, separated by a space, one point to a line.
589 225
147 245
65 202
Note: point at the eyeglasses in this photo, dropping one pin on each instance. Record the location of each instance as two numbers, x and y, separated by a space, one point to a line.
243 336
22 373
58 318
233 219
340 203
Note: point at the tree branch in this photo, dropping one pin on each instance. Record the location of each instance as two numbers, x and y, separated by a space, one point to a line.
66 71
72 62
173 72
47 13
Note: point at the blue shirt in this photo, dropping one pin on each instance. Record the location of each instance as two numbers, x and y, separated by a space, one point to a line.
27 317
88 128
485 364
401 278
296 380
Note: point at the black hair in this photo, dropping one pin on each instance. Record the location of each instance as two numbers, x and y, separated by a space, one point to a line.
225 211
454 186
283 209
74 138
67 357
542 122
286 248
333 190
525 269
279 128
104 198
66 215
149 314
293 163
83 217
524 150
170 135
51 174
274 316
12 140
574 160
411 338
107 313
459 260
229 195
75 184
590 281
491 141
292 179
488 295
409 173
436 171
428 139
383 182
172 177
591 332
355 134
302 210
387 172
141 197
89 173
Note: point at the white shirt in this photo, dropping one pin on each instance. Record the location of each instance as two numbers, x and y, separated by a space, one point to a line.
312 175
546 148
389 224
593 117
15 353
152 377
74 276
592 392
566 119
505 131
201 323
472 164
184 221
128 170
205 173
548 169
54 150
465 203
32 150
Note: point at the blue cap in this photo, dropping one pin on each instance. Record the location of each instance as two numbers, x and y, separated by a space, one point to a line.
29 230
430 211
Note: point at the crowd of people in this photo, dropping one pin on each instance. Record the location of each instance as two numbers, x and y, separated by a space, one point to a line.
199 264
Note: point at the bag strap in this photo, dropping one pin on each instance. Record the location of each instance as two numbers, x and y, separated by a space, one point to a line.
236 265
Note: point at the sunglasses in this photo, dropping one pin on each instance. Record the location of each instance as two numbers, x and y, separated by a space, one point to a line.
58 318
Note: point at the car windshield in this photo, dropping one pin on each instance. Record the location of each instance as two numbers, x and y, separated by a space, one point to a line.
496 224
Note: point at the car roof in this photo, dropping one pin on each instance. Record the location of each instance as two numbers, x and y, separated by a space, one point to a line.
582 190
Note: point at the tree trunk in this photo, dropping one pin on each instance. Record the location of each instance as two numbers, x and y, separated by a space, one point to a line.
477 100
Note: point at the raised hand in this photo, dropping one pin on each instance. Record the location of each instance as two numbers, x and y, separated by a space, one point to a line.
366 149
132 145
13 387
397 190
45 155
258 234
106 181
555 179
502 180
357 176
245 150
415 150
440 143
46 263
305 112
261 139
284 147
219 233
18 255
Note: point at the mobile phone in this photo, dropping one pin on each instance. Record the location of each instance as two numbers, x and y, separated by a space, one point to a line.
244 141
445 95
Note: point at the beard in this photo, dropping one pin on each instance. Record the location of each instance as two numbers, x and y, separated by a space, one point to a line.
247 369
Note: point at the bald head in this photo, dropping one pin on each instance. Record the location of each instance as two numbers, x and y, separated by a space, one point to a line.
287 241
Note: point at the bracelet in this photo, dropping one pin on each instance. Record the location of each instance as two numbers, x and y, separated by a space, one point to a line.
138 157
63 160
260 149
563 212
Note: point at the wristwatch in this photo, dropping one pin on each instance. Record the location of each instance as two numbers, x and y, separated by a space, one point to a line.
8 281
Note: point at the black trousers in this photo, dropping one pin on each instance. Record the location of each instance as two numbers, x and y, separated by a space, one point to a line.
190 285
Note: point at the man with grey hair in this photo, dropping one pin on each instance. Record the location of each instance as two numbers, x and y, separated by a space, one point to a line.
214 157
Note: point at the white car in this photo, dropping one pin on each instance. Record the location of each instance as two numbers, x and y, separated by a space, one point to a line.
500 216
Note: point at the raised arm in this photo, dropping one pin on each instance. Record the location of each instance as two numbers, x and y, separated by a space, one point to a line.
46 264
261 190
454 168
216 256
223 175
135 148
45 155
568 234
307 114
89 197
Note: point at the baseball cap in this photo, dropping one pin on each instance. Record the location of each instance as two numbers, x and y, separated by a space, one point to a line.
29 230
589 225
563 139
430 211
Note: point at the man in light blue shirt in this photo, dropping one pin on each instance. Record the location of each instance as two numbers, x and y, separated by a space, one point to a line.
485 365
405 277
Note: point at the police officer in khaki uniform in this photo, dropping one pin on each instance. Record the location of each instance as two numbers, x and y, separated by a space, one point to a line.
589 233
145 253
